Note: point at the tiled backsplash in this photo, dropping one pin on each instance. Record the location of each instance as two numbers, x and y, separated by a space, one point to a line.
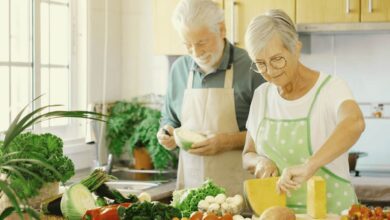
363 60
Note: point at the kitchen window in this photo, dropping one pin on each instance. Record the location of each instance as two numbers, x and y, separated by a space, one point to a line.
42 51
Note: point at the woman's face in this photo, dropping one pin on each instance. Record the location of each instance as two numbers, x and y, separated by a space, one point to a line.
276 63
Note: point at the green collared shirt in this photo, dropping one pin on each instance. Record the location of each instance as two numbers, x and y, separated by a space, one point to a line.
245 82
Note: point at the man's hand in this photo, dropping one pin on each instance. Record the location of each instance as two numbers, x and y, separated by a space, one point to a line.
214 144
266 168
165 137
293 177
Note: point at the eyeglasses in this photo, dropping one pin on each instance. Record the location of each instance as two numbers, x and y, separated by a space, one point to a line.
276 63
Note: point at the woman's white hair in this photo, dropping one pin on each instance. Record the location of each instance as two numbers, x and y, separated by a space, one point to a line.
197 13
262 28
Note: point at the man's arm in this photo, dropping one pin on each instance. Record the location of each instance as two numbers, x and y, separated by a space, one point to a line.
218 143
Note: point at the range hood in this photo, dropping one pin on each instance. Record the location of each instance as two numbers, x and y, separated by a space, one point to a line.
344 27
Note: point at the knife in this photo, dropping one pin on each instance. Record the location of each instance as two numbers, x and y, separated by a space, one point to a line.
166 132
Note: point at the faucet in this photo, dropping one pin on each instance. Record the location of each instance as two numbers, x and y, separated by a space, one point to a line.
108 167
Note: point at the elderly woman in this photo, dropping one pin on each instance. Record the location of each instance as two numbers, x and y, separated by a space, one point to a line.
301 122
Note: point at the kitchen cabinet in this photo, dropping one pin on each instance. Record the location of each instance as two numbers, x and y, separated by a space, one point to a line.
329 11
166 38
375 10
238 14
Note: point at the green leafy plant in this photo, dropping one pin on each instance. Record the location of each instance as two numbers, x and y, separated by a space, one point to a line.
19 162
131 125
44 147
187 200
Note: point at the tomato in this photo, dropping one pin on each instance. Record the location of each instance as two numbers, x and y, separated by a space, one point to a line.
378 212
211 216
105 212
197 216
227 216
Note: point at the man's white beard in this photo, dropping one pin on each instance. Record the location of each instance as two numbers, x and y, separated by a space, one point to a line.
211 65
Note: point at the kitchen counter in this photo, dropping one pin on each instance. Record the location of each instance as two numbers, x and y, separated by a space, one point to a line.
162 192
373 189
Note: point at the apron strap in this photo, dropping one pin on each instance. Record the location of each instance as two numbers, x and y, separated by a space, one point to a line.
190 79
316 95
229 78
266 101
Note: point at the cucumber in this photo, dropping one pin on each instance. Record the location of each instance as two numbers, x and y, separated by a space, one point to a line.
76 201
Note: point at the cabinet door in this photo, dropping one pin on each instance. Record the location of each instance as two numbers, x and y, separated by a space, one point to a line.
375 10
328 11
239 13
166 38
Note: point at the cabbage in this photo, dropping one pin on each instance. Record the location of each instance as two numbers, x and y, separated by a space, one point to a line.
185 138
76 201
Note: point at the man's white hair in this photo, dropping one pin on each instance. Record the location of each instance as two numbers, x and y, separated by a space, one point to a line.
262 28
197 13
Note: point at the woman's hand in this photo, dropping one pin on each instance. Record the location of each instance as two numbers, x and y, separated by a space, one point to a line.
293 177
266 168
165 137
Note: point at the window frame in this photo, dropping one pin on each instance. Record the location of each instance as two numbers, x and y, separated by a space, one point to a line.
77 74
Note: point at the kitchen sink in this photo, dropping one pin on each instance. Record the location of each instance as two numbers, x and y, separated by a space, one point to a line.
136 181
151 176
134 187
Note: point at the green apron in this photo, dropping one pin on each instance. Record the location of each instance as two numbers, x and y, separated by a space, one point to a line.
287 143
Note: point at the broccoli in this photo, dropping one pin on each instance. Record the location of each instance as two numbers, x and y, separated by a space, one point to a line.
45 147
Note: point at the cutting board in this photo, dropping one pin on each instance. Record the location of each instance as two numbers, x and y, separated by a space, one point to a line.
307 217
42 217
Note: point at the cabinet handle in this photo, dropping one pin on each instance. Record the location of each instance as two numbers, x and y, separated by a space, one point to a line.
347 6
234 35
369 6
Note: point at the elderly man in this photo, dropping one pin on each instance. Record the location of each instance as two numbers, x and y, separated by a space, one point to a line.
210 92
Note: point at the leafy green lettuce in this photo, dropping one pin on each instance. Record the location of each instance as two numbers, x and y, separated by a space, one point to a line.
44 147
187 200
148 211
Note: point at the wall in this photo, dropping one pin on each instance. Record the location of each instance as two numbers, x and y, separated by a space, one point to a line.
96 21
363 61
143 72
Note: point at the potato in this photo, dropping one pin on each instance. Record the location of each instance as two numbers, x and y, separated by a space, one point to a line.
278 213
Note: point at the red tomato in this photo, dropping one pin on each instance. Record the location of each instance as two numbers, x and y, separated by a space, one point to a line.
227 216
211 216
197 216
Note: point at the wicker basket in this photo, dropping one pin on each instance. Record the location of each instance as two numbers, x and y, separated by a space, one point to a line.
48 190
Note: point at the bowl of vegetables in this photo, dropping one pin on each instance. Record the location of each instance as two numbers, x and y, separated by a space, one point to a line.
184 138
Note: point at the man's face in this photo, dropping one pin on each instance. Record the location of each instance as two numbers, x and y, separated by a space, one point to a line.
204 46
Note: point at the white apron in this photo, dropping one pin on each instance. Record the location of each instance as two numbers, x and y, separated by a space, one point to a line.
211 110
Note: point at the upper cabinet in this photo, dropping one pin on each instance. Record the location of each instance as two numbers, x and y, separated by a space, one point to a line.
238 14
328 11
166 38
375 10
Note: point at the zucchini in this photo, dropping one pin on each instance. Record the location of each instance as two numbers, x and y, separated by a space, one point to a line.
52 205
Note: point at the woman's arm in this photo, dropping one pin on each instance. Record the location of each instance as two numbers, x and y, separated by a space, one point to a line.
255 163
350 125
